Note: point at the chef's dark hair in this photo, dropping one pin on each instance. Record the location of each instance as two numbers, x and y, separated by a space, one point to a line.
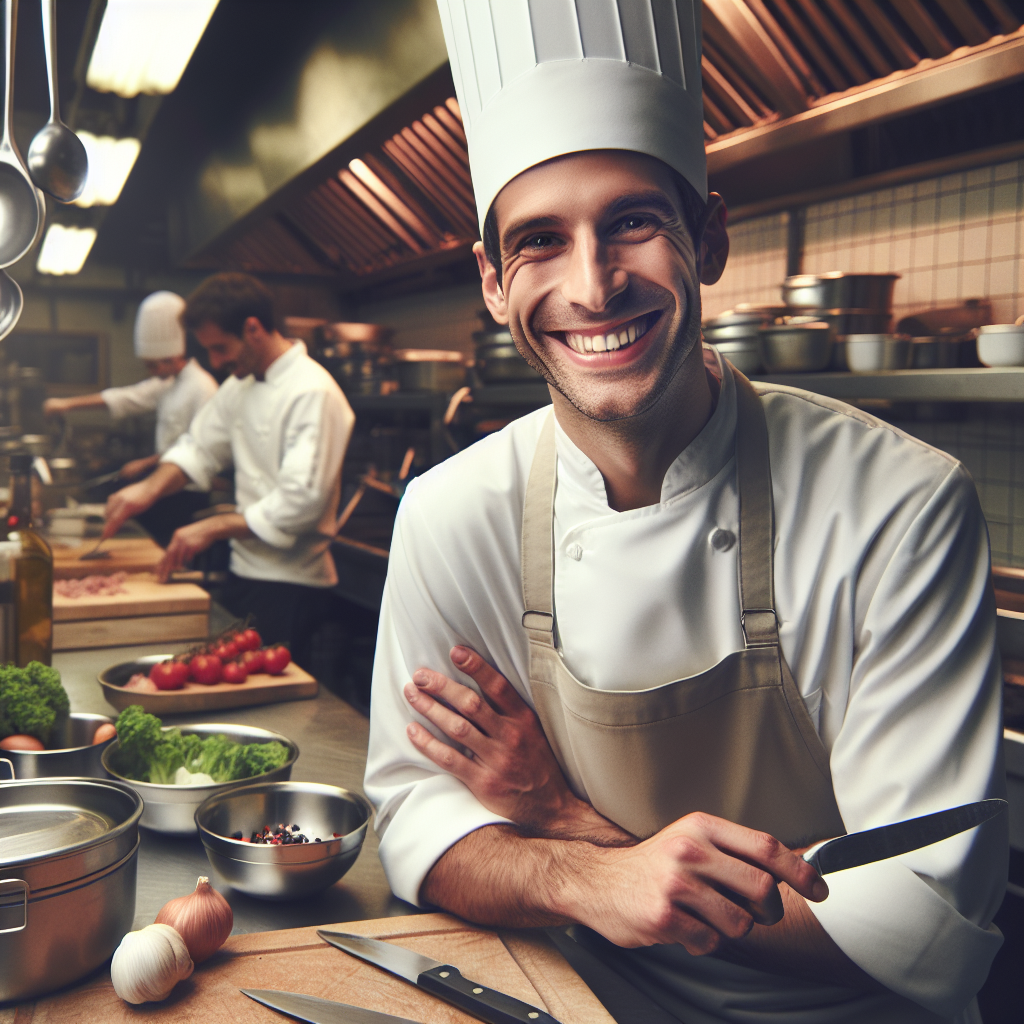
228 300
693 211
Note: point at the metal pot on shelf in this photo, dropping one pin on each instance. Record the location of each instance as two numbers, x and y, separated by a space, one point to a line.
68 855
838 290
429 369
498 361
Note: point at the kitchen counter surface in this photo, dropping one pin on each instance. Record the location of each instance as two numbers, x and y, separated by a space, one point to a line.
332 739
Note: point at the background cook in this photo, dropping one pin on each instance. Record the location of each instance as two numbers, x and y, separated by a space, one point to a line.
176 390
283 423
881 596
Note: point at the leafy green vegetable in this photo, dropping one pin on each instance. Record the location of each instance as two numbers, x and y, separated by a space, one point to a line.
31 699
147 754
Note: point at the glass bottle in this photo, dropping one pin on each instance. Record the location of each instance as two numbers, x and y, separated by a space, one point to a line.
33 571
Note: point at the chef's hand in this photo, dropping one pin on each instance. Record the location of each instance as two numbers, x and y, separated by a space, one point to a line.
135 468
189 540
123 504
693 883
55 406
510 769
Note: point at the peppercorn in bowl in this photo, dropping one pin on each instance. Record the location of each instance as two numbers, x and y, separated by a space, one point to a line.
283 840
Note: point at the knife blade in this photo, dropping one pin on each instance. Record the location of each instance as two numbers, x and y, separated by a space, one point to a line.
319 1011
439 979
901 837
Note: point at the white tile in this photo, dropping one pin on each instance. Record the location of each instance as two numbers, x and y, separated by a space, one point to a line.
1006 198
978 203
901 249
924 214
950 208
947 284
1004 277
862 222
1005 310
928 187
975 242
978 176
1005 238
903 217
1011 169
947 248
922 253
973 280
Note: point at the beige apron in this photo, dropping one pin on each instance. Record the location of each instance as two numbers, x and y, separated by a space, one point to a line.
735 741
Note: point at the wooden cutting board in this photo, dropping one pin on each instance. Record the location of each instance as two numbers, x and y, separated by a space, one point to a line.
521 964
294 683
127 554
146 612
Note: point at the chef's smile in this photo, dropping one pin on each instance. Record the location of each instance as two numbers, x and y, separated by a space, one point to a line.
604 340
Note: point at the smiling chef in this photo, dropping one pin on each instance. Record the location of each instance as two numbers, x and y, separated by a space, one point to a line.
746 618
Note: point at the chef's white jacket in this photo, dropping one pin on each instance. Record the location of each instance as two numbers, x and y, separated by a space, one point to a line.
887 622
286 436
175 400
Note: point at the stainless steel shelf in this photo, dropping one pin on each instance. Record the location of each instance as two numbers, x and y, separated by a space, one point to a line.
1005 384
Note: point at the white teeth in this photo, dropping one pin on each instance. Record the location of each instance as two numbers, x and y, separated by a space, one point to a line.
584 343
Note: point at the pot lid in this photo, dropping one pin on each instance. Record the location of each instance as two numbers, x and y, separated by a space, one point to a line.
54 830
427 355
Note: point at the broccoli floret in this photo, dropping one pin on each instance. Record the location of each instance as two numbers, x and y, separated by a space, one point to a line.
47 680
138 737
24 708
166 760
259 758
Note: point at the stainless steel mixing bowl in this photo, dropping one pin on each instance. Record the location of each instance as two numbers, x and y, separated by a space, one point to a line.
283 872
77 756
796 348
172 808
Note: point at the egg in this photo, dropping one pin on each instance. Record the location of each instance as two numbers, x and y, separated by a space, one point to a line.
19 742
105 732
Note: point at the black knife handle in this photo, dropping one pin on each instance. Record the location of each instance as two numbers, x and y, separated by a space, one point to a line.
494 1007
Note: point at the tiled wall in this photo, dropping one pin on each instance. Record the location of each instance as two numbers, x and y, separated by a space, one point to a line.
951 238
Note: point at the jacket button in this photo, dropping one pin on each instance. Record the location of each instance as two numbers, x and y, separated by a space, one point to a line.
574 551
722 540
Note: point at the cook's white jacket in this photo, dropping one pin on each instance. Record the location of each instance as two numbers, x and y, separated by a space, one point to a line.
286 436
887 622
175 400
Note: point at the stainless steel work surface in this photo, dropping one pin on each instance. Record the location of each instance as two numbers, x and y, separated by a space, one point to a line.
332 739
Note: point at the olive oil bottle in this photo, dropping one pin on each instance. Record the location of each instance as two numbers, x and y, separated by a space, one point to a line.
33 570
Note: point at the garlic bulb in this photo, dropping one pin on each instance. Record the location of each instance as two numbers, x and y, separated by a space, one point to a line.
202 918
149 963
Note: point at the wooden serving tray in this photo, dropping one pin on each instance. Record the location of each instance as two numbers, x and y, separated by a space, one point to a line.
147 612
294 683
521 964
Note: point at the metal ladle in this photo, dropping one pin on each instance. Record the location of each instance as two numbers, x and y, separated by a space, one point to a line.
21 206
11 304
57 160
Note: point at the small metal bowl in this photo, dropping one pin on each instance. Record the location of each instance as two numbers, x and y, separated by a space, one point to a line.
283 872
743 353
76 757
796 348
171 808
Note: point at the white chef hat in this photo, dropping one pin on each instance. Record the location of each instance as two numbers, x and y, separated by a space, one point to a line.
158 330
537 79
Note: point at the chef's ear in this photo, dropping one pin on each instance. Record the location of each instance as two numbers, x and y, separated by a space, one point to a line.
714 243
494 297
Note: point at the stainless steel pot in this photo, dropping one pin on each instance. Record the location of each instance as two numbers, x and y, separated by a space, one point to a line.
68 853
77 755
743 353
839 290
429 369
796 348
172 808
498 360
853 321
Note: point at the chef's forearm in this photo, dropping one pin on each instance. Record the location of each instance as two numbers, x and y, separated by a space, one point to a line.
495 876
799 947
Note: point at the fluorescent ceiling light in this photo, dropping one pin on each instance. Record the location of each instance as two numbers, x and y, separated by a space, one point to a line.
64 249
145 45
110 162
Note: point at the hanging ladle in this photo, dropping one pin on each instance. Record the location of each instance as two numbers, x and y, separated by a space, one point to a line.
56 159
11 304
21 205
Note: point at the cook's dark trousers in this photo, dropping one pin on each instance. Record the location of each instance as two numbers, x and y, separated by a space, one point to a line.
282 612
168 514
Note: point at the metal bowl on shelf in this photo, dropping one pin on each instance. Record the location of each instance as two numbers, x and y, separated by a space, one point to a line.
77 755
796 347
932 353
426 369
171 808
840 290
336 816
743 353
866 353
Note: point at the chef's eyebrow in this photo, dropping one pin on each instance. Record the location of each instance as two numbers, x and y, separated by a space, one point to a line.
653 199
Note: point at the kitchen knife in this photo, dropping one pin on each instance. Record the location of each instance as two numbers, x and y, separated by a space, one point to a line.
440 980
319 1011
901 837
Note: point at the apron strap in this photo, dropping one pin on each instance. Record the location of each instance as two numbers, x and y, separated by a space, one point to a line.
538 540
757 519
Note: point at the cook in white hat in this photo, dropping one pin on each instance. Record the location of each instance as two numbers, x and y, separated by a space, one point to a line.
713 622
177 388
